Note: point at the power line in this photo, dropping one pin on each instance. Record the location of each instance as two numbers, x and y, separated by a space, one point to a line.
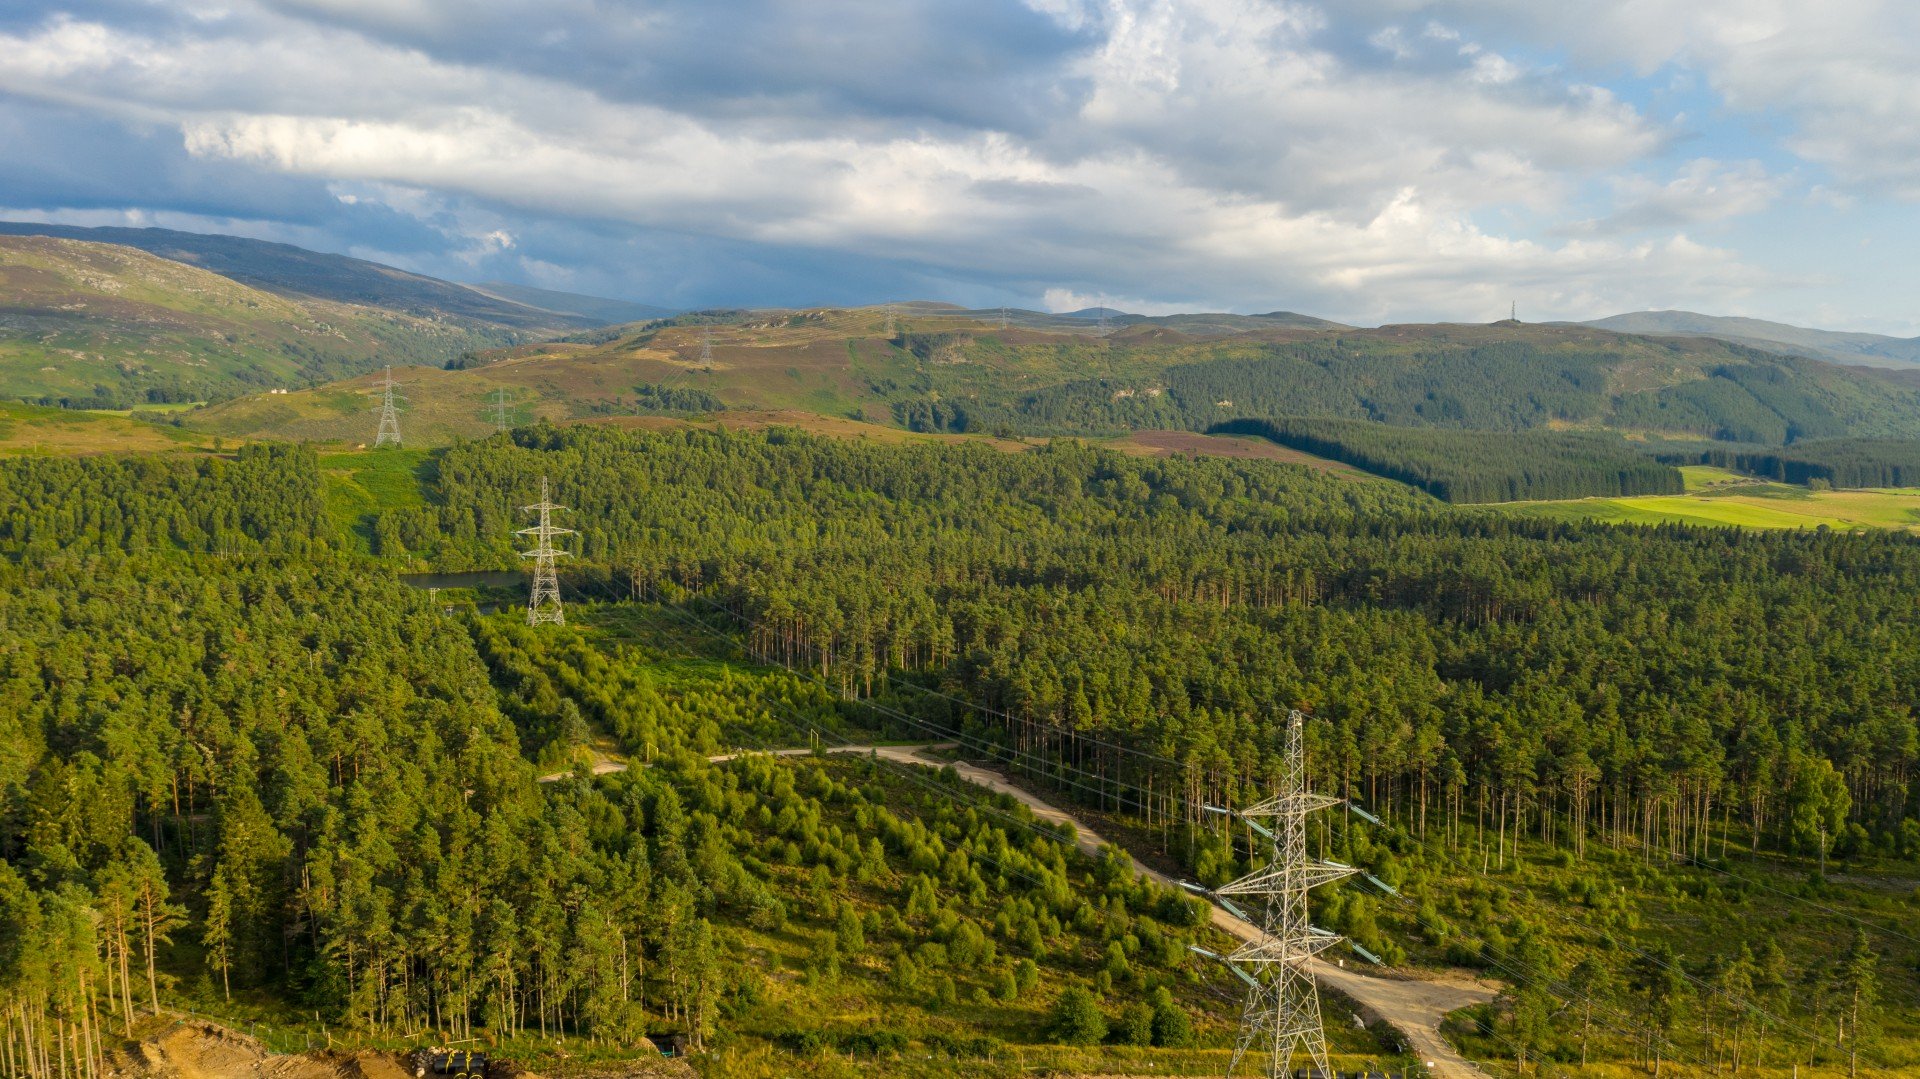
500 417
389 433
991 750
543 599
1282 1014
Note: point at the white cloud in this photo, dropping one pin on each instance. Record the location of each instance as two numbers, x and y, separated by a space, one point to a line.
1840 73
1701 191
1201 152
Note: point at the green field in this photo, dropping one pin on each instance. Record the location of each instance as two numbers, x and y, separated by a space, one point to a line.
1718 497
359 485
34 429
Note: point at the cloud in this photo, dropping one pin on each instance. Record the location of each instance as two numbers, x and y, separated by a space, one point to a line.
1837 73
1702 191
1250 154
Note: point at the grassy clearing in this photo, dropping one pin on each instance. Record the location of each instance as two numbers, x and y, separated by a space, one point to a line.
359 485
1718 497
32 429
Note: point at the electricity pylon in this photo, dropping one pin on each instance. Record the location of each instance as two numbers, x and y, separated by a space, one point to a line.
890 321
500 422
1282 1015
543 600
389 415
706 347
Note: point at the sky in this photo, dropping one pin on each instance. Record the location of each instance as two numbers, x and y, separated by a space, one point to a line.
1364 160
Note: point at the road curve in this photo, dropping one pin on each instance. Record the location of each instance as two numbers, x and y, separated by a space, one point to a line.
1412 1006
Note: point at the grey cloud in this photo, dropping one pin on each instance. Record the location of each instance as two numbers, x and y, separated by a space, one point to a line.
1225 153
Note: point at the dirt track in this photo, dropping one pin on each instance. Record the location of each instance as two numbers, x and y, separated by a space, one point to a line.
1412 1006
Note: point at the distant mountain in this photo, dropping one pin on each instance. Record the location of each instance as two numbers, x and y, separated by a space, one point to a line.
106 325
961 371
602 310
1853 349
1190 324
296 272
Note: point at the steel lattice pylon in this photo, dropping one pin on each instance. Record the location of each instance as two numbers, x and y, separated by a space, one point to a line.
1282 1016
500 418
389 433
543 601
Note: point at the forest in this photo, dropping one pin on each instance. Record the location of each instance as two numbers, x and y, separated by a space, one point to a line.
1640 774
1838 463
246 773
1428 379
1477 466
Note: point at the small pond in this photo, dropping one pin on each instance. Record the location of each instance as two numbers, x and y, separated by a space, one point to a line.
483 578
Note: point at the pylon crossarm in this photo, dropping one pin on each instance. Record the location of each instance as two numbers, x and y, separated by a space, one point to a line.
1285 804
1286 878
1284 949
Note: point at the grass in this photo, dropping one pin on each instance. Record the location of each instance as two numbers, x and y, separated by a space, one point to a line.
33 429
359 485
1717 497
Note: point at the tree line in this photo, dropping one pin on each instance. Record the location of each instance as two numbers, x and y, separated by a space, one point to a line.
1836 463
1477 466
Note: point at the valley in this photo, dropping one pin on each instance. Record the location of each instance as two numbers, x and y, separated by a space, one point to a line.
1029 540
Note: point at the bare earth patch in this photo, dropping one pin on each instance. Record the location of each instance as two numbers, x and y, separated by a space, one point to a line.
195 1049
1164 443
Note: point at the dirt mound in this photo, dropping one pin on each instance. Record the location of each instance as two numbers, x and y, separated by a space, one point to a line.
198 1050
194 1049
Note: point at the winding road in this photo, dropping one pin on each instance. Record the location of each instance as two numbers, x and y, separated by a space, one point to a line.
1413 1006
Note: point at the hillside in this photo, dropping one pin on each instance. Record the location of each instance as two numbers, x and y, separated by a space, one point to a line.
36 430
117 317
1860 349
296 272
109 326
946 369
597 308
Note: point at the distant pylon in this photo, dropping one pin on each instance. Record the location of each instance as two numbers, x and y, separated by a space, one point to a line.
543 600
706 346
1282 1015
1003 318
890 329
389 415
500 421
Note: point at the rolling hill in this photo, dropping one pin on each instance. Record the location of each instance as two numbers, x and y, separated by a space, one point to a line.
953 370
300 274
597 308
102 325
122 317
1858 349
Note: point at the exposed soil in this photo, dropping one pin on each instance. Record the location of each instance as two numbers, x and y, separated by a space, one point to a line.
200 1050
194 1049
1192 443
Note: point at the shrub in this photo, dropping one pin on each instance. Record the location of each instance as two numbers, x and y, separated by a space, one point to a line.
1171 1027
1134 1025
801 1043
1077 1019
